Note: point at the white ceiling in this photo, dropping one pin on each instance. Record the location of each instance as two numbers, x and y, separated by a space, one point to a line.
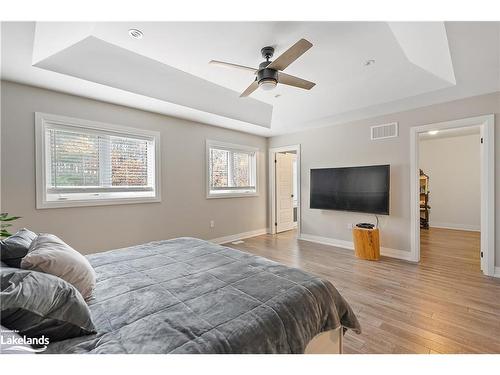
416 64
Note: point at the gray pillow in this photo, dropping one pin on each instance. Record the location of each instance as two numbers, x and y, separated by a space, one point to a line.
36 304
49 254
15 247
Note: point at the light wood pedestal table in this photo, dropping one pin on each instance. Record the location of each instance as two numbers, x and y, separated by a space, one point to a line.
366 243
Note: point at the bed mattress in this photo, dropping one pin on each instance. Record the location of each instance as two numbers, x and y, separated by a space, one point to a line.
187 295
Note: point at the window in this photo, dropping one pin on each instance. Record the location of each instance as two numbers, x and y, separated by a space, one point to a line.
231 170
82 163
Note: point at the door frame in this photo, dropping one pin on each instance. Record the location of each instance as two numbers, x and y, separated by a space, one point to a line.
272 185
487 126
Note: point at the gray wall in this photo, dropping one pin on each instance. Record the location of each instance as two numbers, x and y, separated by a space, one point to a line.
349 145
184 210
453 165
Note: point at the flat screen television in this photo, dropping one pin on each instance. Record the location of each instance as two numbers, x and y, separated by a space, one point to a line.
357 189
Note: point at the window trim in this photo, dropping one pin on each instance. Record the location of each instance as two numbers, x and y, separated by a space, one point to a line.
42 120
233 147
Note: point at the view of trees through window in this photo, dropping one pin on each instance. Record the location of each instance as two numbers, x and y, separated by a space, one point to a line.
129 162
241 169
90 160
229 168
219 167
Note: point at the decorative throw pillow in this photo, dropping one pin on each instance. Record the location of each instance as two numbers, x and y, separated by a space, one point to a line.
49 254
15 247
37 304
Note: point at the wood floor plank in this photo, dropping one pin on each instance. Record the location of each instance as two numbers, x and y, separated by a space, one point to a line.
444 304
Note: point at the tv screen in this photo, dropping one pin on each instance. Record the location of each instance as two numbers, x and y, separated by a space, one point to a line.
358 189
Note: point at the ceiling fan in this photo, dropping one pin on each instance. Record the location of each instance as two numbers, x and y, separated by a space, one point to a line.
270 73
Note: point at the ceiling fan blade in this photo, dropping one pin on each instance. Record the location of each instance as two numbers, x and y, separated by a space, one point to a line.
289 80
250 89
290 55
231 65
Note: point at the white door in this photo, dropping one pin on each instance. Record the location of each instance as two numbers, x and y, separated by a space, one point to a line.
284 192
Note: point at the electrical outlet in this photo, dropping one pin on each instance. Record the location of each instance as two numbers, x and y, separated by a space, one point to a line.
212 223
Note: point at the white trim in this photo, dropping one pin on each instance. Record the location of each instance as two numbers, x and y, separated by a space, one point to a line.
327 241
239 236
349 245
231 147
454 226
487 125
41 120
232 195
272 194
497 272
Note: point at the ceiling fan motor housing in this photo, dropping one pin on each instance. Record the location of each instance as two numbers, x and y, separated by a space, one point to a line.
266 74
267 52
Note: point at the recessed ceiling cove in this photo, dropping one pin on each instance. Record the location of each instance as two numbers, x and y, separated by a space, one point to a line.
96 60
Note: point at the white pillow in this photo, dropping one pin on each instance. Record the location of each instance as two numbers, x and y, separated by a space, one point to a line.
49 254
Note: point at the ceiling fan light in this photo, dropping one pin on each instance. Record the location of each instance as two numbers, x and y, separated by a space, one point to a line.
267 84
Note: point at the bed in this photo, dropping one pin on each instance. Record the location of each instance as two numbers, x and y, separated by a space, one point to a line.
187 295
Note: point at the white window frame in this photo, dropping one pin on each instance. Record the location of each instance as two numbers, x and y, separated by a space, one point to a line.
42 120
231 147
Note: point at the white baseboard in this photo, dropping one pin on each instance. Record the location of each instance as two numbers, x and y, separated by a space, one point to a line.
326 241
472 228
497 272
385 251
239 236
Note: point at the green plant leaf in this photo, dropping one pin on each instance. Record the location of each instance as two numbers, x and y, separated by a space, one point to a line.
11 218
4 217
4 233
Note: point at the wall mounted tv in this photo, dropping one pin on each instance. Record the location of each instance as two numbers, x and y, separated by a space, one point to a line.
357 189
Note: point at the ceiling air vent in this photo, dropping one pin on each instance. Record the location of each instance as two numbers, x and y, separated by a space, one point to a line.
384 131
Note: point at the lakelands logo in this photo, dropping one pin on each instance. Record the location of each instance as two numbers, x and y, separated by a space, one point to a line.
11 342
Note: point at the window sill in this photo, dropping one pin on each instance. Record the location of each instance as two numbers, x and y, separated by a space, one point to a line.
95 202
232 194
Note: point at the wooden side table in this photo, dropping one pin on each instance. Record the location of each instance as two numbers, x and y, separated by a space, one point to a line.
366 243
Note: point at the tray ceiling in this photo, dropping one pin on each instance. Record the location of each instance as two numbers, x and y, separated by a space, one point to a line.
167 71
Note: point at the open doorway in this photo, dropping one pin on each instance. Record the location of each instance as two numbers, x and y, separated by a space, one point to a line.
452 191
284 186
450 196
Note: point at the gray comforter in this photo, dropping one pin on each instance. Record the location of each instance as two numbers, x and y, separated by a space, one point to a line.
191 296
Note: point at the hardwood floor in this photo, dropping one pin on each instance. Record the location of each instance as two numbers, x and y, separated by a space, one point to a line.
442 305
